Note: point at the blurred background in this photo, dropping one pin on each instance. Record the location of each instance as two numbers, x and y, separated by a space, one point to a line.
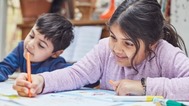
18 16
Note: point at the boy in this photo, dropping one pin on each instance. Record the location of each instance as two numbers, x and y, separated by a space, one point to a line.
51 34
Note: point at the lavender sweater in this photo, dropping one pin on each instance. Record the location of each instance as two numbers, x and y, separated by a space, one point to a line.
167 74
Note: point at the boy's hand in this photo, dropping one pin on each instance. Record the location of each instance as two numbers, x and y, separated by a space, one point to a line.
127 87
22 86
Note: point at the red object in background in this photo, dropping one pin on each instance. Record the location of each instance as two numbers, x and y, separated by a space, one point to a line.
31 9
108 13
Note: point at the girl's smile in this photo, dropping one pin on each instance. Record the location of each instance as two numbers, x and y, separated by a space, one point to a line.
121 58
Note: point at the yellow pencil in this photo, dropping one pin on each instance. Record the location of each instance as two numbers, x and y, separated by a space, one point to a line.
134 98
28 70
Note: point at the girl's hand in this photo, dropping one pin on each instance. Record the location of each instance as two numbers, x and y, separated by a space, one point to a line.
22 86
128 87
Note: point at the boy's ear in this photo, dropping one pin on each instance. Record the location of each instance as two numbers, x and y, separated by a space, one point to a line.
57 53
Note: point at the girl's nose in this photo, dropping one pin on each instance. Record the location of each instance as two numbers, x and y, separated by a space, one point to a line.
117 48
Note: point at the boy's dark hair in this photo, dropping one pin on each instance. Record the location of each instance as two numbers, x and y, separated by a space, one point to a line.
143 19
57 29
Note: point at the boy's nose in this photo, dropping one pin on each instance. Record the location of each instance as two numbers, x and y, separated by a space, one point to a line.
31 44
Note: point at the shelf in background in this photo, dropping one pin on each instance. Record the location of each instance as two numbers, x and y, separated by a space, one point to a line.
26 27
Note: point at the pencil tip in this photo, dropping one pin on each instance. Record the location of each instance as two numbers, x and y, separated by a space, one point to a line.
111 81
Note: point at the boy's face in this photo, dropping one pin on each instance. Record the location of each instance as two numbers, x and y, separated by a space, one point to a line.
39 48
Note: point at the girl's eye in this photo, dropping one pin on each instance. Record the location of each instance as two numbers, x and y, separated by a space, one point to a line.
129 43
113 37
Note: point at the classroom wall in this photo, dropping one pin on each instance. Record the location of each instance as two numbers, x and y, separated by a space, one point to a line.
3 12
180 19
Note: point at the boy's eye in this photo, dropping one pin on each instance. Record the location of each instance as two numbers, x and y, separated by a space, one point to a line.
41 46
31 36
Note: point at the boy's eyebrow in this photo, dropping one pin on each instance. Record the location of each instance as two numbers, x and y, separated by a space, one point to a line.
33 32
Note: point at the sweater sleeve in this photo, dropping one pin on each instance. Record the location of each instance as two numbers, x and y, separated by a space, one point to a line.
9 64
86 71
173 84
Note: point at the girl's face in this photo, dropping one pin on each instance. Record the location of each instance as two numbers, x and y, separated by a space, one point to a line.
39 48
123 47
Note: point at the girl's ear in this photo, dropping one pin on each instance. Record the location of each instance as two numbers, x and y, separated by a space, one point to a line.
57 53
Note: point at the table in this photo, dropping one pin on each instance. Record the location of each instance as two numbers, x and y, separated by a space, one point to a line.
82 97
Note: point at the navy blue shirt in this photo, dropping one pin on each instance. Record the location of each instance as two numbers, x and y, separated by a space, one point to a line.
15 60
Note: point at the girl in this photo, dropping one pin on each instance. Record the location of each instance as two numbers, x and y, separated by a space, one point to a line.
142 56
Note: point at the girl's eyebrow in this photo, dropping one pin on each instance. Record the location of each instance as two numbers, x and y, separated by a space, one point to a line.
111 31
123 38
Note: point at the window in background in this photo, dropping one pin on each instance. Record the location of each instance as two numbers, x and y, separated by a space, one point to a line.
13 17
2 27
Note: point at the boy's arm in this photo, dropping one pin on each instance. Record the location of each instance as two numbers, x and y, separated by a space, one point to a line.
9 65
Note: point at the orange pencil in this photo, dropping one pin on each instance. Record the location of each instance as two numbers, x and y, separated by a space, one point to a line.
111 82
28 70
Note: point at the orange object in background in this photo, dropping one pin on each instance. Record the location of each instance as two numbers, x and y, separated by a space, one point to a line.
108 13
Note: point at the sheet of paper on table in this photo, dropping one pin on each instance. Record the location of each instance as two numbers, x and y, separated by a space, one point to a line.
82 97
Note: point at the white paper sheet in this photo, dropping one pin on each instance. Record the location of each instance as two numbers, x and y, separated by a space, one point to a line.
85 39
82 97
